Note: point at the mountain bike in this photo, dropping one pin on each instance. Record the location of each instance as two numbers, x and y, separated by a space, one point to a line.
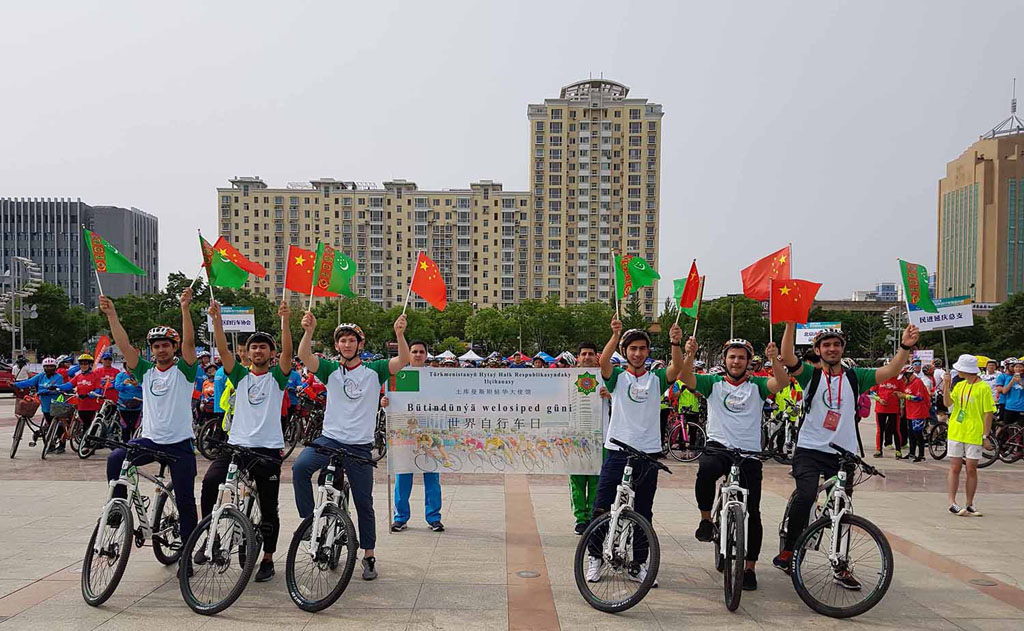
315 572
123 520
685 439
613 535
936 439
25 409
729 515
106 424
781 433
65 426
842 563
1011 449
222 551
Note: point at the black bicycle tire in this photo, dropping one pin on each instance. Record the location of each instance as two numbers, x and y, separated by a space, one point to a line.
1018 436
346 573
75 434
1006 445
122 561
158 546
291 437
84 452
653 563
255 525
937 448
865 605
229 512
51 436
692 429
201 438
19 430
733 574
988 461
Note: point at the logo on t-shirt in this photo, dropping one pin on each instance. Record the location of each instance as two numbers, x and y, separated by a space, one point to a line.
637 393
159 387
352 388
737 400
257 395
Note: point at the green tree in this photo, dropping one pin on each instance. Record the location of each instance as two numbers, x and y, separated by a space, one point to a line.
58 328
632 314
1005 327
452 344
493 329
590 322
452 321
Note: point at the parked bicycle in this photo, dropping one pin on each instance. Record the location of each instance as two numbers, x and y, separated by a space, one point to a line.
781 431
613 535
937 445
25 409
106 424
65 427
686 438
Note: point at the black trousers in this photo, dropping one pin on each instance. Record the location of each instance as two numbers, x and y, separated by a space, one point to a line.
129 422
714 466
809 466
645 485
268 482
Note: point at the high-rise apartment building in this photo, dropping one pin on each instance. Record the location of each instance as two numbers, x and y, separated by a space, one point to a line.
594 172
49 232
595 167
981 217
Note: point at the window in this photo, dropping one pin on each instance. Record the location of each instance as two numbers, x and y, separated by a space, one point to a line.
634 115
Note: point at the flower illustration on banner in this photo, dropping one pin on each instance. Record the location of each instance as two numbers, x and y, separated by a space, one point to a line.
586 383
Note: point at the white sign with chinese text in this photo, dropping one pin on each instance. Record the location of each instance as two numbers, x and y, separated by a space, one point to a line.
235 319
468 420
953 314
805 332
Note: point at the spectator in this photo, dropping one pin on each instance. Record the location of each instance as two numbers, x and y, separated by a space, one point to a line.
887 416
970 421
918 405
1011 393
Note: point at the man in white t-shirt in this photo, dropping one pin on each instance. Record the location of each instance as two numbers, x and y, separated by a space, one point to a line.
353 395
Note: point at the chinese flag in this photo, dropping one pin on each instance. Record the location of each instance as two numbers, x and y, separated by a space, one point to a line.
757 277
428 284
299 276
792 299
229 252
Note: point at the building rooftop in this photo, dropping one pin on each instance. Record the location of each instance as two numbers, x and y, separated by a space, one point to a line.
583 90
1009 126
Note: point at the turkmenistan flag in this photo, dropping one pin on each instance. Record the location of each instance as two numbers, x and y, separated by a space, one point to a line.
220 270
107 259
632 273
332 270
915 285
406 381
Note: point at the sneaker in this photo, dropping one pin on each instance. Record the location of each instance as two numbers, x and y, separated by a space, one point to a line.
580 527
899 455
970 511
594 569
749 581
846 580
398 526
784 561
878 454
705 531
919 459
369 568
956 510
437 526
639 575
266 571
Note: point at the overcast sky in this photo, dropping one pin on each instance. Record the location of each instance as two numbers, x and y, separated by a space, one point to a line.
826 124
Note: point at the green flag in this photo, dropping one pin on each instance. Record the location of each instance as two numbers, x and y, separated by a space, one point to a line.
915 286
406 381
221 271
632 273
332 270
107 259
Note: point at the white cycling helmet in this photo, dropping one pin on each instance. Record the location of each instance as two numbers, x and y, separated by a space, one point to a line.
49 361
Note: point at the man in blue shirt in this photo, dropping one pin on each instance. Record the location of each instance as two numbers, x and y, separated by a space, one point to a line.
46 384
1011 393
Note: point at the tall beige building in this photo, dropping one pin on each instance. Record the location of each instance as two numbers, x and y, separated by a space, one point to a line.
595 169
981 217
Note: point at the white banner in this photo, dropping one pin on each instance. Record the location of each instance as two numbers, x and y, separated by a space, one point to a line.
805 332
926 356
235 319
953 313
489 420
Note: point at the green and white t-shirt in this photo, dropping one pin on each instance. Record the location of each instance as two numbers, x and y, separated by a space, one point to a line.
353 395
257 417
834 394
636 409
166 400
734 410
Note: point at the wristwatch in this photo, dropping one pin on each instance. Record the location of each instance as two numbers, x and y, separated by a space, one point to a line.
905 347
675 344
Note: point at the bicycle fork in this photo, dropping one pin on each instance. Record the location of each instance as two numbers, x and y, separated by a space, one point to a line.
326 494
229 486
616 544
732 495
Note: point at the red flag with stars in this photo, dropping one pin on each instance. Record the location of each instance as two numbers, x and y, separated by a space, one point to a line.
299 275
428 284
757 277
229 252
792 299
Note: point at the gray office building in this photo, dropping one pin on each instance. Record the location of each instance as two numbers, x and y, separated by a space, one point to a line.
49 232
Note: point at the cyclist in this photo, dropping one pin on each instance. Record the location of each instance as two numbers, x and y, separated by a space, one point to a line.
350 419
1011 393
129 403
583 488
735 401
167 387
108 374
64 366
635 420
918 405
47 385
86 385
256 424
830 401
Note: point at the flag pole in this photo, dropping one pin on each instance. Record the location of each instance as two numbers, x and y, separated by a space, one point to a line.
771 294
312 281
945 353
700 299
199 274
203 256
615 264
409 292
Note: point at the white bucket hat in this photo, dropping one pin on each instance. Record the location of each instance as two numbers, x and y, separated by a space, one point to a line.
967 364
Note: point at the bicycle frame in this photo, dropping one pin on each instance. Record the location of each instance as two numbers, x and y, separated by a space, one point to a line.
239 490
135 500
730 494
326 494
615 541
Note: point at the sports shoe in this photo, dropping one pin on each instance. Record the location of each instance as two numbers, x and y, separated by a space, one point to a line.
970 511
639 575
266 571
749 580
437 526
594 569
200 556
899 455
705 531
878 454
398 526
369 568
580 527
784 561
919 459
956 510
846 580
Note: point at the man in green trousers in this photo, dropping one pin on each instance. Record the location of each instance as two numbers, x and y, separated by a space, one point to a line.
583 488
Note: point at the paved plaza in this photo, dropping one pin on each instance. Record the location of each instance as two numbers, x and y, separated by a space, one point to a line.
950 572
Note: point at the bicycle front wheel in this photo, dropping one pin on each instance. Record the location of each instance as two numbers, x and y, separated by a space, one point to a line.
315 582
101 572
937 442
1012 448
689 447
211 584
852 583
735 553
617 584
19 429
87 448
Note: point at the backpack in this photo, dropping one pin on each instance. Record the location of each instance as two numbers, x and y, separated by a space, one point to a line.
859 409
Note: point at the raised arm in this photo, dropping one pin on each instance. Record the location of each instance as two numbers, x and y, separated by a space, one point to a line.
311 361
404 356
789 358
675 336
285 358
131 354
188 333
780 377
947 391
227 358
902 356
686 370
609 349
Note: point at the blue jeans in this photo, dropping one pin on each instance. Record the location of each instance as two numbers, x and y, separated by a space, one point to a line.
183 477
360 480
431 496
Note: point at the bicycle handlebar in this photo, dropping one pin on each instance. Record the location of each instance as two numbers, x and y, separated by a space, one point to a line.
244 451
636 453
159 456
738 454
339 452
849 456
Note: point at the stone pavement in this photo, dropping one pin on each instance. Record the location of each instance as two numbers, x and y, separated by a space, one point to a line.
950 572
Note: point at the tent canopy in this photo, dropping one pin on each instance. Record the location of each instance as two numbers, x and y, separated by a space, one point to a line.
544 356
446 355
470 356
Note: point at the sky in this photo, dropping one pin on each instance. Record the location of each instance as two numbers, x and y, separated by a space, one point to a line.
824 124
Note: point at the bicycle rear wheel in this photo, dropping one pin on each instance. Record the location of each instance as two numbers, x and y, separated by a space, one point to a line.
937 442
316 582
102 572
209 432
989 455
1012 448
211 585
856 581
166 525
689 448
86 448
19 429
618 586
781 452
292 432
735 553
